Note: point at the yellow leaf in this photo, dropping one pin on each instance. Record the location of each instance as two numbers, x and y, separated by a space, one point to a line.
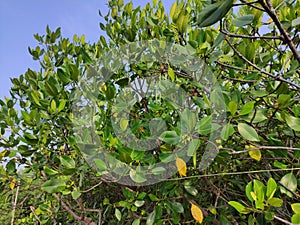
123 124
181 166
255 154
12 184
197 213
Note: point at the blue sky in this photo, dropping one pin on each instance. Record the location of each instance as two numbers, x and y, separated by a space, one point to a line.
20 19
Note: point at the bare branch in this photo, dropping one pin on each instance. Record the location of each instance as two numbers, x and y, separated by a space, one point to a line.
283 220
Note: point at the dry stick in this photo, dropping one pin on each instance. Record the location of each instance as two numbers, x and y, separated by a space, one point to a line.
279 78
265 147
283 220
272 13
36 217
14 206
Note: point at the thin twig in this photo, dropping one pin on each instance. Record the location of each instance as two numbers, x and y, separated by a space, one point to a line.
36 217
251 3
226 32
88 190
283 220
233 173
14 206
267 148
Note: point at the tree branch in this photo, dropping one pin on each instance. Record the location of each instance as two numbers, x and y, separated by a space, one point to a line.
279 78
272 13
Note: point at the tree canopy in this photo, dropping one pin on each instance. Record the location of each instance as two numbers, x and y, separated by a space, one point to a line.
182 117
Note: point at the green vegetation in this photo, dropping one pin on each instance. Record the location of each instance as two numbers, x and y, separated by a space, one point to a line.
54 171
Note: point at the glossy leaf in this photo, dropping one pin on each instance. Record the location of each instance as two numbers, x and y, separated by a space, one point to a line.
214 12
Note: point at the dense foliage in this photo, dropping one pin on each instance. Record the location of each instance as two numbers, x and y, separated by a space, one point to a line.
246 112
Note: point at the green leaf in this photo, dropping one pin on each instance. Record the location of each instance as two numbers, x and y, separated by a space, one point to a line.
170 137
151 218
188 121
283 101
248 132
276 202
239 207
136 222
271 187
100 164
118 214
36 97
293 122
296 208
53 186
62 105
153 198
49 171
232 107
137 177
190 189
227 131
11 167
214 12
269 216
177 207
296 219
50 87
243 20
76 194
193 146
248 190
296 22
53 105
158 170
247 108
67 162
123 124
171 73
204 125
289 181
139 203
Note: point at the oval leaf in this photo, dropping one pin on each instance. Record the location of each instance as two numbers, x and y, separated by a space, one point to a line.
248 132
181 166
197 213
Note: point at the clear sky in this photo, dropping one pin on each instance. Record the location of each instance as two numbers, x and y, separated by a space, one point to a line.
20 19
